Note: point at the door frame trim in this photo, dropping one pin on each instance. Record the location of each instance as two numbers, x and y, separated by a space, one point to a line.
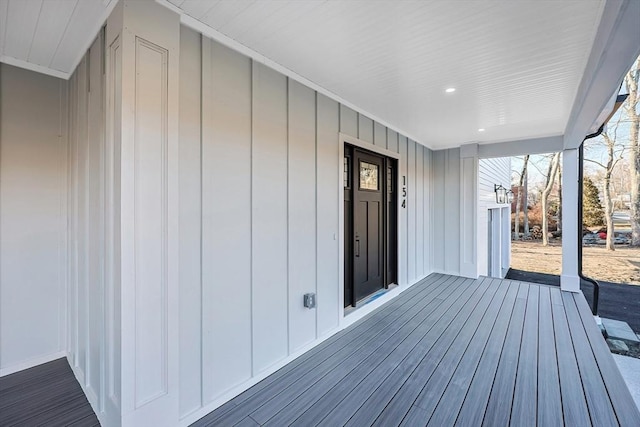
348 139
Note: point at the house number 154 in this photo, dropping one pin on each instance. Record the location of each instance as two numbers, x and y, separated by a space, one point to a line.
404 191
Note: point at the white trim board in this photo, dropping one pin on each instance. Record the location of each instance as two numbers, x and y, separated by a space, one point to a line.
31 363
616 41
366 146
542 145
111 4
34 67
216 35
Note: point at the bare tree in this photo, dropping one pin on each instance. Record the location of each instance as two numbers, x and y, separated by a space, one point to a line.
608 203
516 221
559 197
526 206
551 177
631 80
615 152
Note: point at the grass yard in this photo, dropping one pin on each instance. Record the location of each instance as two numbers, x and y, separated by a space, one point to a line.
619 266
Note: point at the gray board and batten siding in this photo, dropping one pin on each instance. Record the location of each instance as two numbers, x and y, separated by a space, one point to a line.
33 164
259 215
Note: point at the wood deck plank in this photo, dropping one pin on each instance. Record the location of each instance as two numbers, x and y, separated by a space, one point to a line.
44 395
523 412
479 371
622 402
477 398
28 377
247 422
574 405
343 400
411 388
341 386
498 412
296 381
549 397
430 284
451 402
472 335
600 409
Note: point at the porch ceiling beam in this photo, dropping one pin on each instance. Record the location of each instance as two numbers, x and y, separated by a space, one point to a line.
548 144
614 50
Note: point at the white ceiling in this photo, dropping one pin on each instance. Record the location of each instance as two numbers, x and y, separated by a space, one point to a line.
516 65
49 35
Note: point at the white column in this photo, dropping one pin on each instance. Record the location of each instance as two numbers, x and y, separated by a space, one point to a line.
469 210
143 41
570 280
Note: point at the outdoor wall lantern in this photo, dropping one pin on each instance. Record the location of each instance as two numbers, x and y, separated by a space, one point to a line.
510 197
501 193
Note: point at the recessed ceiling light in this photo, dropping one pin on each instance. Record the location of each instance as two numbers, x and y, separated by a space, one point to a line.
481 130
450 89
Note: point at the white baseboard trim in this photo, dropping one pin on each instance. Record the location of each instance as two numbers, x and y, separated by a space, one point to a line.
194 416
345 322
448 273
31 363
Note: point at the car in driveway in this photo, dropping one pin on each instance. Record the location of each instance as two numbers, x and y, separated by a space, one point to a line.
622 239
590 239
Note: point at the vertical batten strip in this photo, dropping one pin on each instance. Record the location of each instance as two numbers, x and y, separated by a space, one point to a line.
411 211
251 218
328 169
269 174
316 186
420 212
403 241
302 211
289 351
190 158
208 388
201 212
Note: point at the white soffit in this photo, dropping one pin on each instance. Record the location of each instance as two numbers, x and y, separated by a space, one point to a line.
49 36
516 65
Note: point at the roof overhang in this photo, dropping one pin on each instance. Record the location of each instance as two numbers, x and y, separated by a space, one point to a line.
534 75
616 47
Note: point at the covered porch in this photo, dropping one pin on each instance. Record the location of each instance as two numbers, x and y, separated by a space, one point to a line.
448 351
173 197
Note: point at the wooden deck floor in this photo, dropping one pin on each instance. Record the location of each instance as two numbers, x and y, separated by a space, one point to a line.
45 395
450 351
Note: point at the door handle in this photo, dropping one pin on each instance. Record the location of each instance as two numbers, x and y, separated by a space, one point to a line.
357 246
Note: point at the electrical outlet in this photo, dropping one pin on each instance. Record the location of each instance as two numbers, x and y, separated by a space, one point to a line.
309 300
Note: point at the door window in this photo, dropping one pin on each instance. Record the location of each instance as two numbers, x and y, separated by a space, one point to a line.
368 176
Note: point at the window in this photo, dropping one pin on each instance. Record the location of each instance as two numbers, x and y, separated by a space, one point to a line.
345 176
368 176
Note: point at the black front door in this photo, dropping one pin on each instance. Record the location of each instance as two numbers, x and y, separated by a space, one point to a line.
369 224
368 243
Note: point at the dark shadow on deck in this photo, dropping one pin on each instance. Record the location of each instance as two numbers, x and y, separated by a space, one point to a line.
45 395
617 300
450 351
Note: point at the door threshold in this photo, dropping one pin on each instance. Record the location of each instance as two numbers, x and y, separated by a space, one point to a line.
368 299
